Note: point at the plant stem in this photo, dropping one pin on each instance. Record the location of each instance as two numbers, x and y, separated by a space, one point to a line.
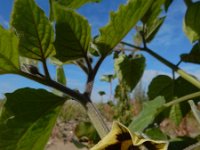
97 119
91 77
92 111
181 72
181 99
46 69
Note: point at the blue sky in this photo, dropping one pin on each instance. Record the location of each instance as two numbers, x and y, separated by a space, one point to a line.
169 42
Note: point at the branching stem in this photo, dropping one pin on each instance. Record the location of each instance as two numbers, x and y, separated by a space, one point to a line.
181 72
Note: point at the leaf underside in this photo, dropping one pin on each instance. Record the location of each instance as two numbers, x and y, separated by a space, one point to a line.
27 119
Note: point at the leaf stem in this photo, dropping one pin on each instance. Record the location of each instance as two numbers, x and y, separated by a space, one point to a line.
181 99
46 69
181 72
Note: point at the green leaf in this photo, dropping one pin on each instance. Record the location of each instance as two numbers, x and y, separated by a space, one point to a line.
153 28
183 88
150 110
121 22
27 119
74 4
101 93
161 85
9 58
108 77
130 69
60 75
153 12
193 56
86 129
34 30
155 134
73 35
176 114
191 22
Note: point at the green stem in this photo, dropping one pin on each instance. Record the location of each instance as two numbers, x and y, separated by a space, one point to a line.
97 119
181 99
181 72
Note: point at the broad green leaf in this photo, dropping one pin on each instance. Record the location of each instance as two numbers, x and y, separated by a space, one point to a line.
60 75
191 22
153 12
193 56
161 85
155 134
130 69
121 22
121 138
72 4
153 28
34 30
9 57
150 110
176 114
27 119
182 88
73 35
195 110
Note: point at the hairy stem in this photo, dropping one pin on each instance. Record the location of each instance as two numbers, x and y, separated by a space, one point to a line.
97 119
182 99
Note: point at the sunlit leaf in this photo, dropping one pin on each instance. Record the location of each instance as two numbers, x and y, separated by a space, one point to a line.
121 138
153 28
60 75
153 12
33 29
155 134
27 119
161 85
193 56
9 57
176 114
191 22
73 35
121 22
130 69
150 110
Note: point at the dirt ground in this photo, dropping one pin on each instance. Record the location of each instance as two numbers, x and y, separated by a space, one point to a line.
59 145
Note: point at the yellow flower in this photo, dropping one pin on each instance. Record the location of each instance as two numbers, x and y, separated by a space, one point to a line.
120 138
